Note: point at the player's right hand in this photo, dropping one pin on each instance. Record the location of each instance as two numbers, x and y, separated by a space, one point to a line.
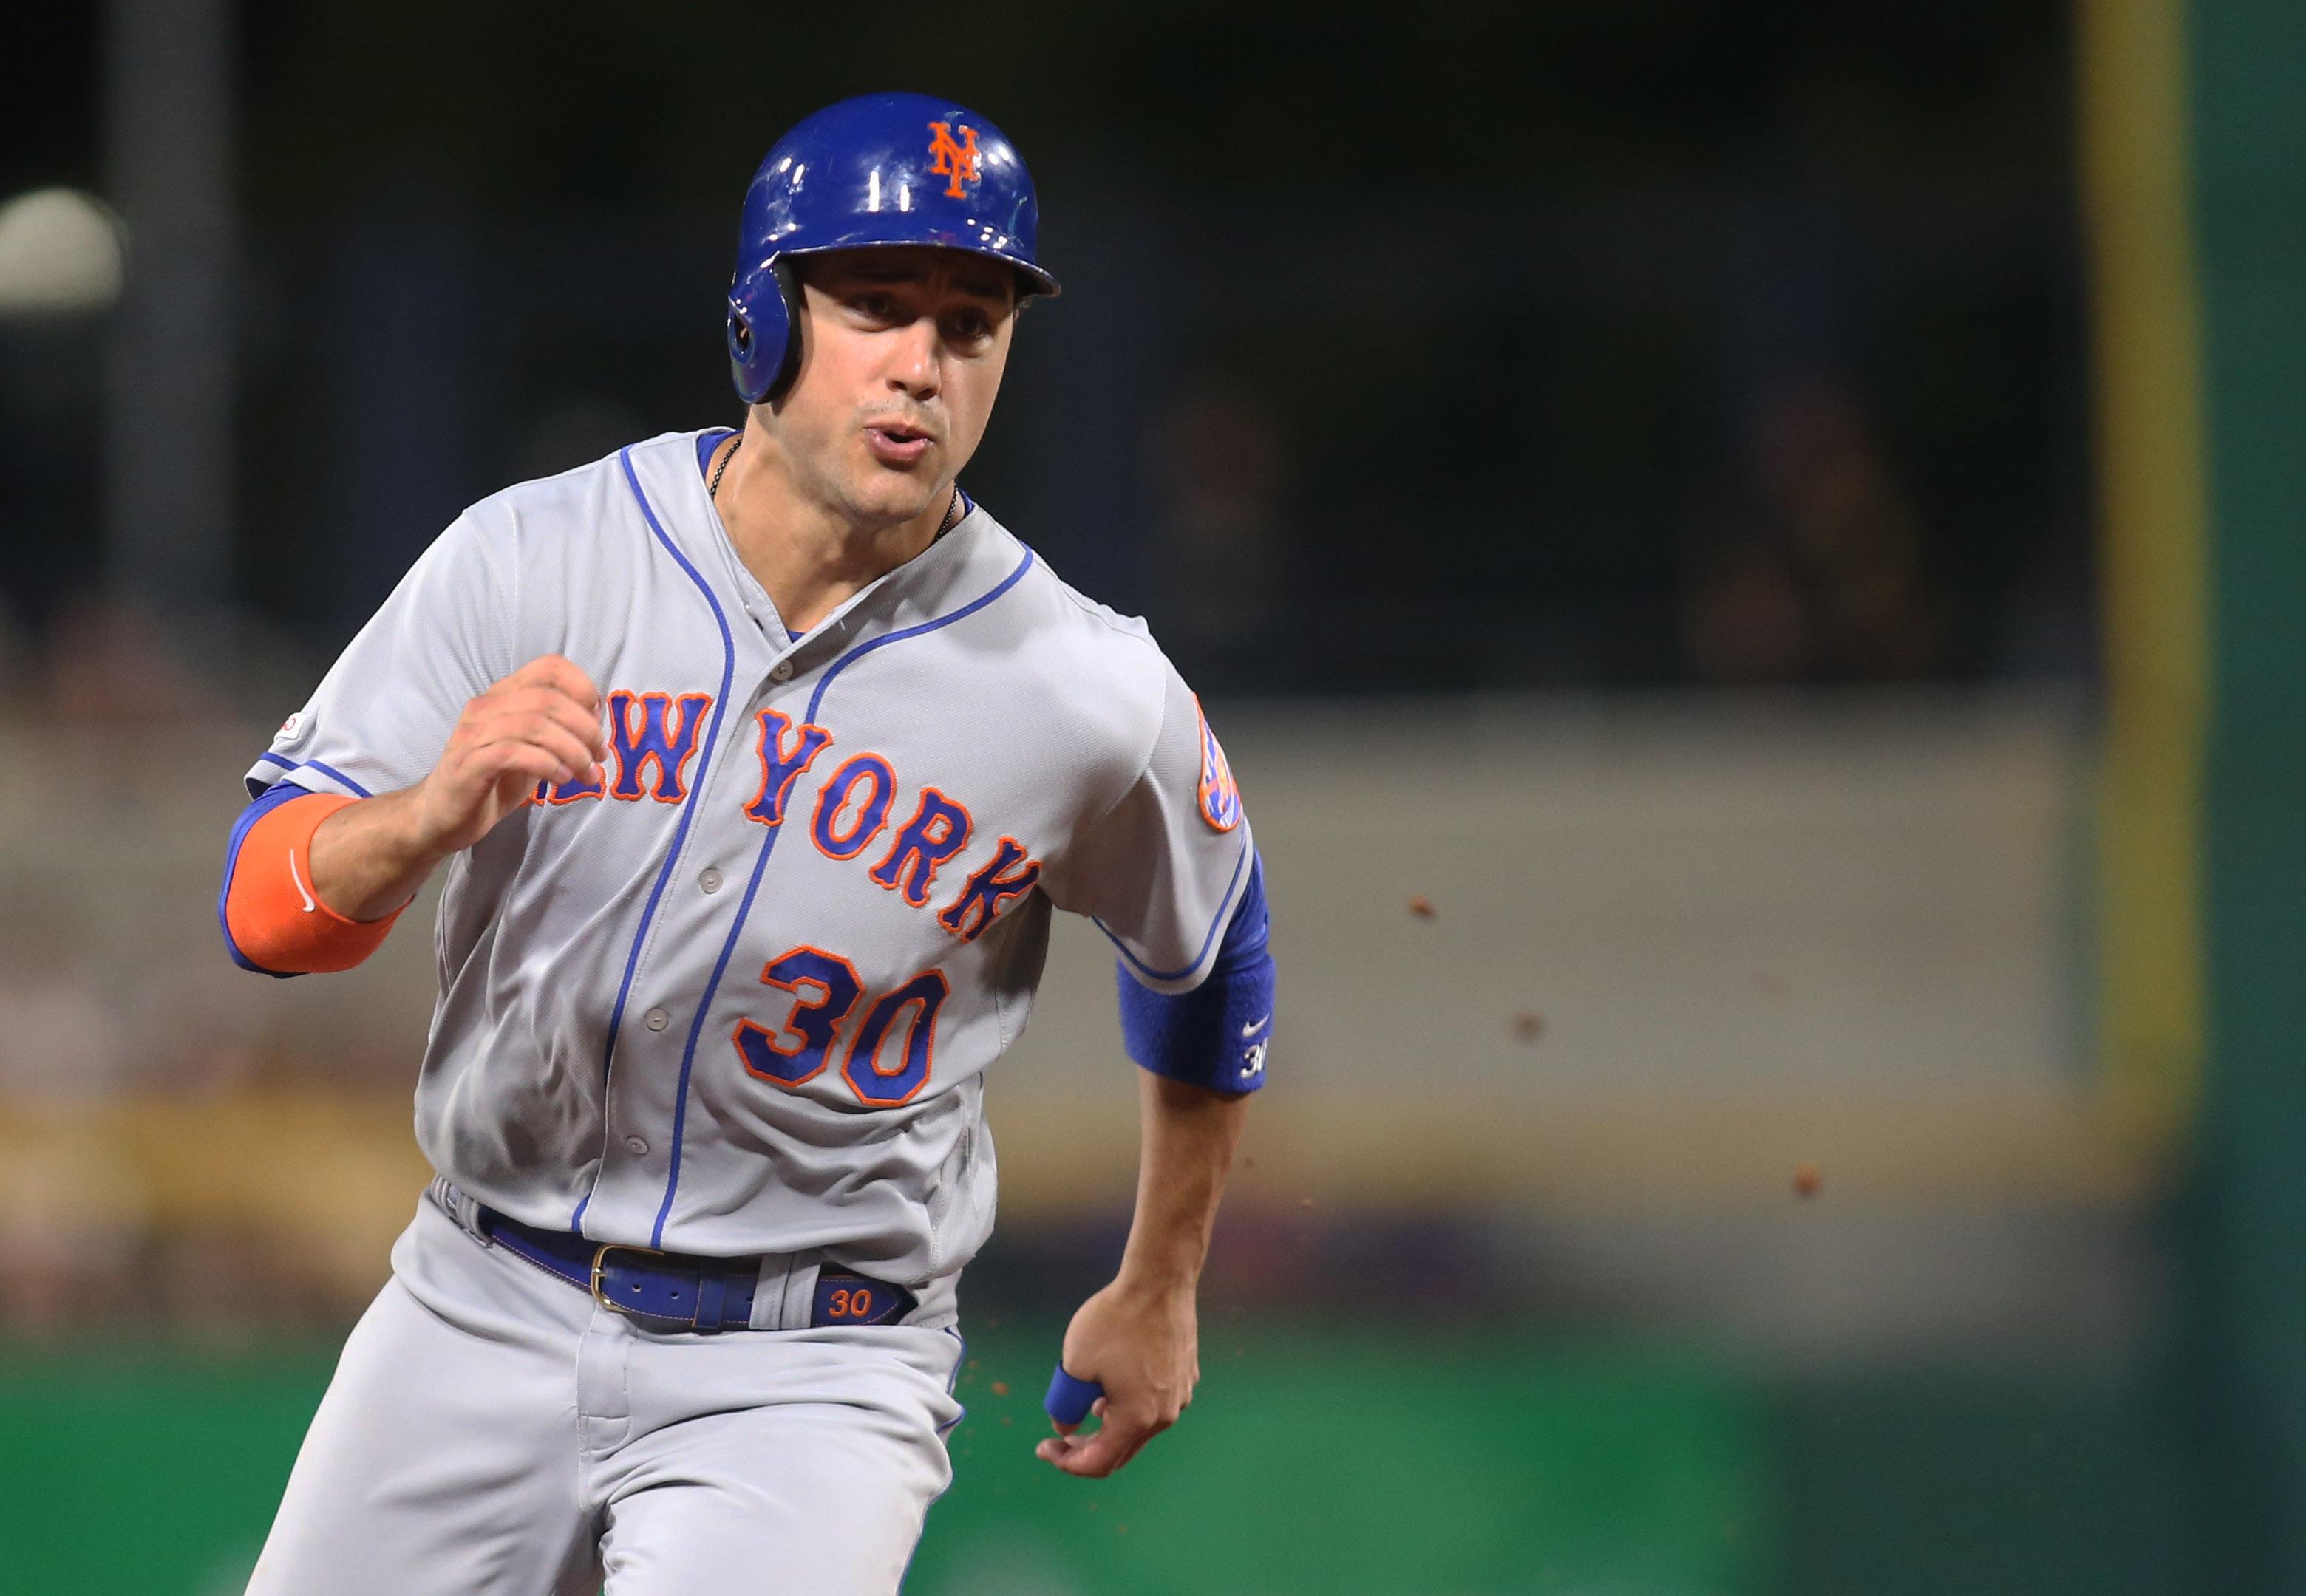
541 724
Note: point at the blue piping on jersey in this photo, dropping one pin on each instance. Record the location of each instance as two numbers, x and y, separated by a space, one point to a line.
680 832
708 444
1225 907
336 774
761 863
329 771
886 638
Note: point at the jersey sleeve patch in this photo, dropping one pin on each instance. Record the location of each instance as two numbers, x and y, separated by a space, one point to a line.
1220 794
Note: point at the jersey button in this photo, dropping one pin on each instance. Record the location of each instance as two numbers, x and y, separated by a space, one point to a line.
780 671
710 880
657 1020
636 1145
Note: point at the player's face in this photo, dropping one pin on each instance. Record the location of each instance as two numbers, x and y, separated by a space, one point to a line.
902 356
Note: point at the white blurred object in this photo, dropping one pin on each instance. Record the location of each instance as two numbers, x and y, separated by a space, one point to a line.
60 254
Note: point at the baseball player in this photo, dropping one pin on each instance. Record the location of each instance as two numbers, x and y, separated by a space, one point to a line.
758 761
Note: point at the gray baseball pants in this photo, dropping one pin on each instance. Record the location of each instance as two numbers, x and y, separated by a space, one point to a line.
492 1432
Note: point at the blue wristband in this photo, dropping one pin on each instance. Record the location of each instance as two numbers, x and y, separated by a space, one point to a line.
1215 1034
1069 1399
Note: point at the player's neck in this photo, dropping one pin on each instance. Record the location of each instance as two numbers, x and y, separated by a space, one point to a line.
810 556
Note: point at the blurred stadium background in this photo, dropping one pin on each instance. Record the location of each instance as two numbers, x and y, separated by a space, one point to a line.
1749 557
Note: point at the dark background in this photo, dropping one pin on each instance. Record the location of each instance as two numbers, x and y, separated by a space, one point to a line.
1455 346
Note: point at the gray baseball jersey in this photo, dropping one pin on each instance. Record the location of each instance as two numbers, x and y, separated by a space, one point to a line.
740 996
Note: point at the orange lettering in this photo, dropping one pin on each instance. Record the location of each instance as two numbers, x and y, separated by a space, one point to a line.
956 159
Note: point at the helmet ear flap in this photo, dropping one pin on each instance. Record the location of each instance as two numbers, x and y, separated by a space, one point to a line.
789 300
763 345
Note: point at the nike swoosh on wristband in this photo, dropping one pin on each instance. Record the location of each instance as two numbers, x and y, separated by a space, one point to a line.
1255 1026
293 876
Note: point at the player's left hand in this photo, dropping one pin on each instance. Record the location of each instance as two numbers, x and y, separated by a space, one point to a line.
1143 1347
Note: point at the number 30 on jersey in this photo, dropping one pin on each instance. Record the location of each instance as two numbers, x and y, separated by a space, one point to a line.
825 990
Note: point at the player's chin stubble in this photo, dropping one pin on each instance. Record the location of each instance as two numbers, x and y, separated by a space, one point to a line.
867 493
892 495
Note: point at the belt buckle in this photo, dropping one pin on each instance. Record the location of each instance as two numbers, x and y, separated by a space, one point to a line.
600 1262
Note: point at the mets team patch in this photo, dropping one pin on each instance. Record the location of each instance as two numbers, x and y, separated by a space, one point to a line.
1220 793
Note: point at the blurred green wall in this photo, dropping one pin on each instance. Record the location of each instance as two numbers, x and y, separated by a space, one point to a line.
1358 1464
1382 1460
2248 126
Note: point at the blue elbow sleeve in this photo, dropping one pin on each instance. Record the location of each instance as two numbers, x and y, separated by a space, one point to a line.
1216 1034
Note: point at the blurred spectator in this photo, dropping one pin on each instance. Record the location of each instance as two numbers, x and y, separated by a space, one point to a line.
58 1038
1218 546
72 1207
113 663
1815 574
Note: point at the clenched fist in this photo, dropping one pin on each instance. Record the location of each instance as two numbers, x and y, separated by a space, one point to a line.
541 724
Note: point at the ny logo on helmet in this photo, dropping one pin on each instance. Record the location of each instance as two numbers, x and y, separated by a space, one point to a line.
956 160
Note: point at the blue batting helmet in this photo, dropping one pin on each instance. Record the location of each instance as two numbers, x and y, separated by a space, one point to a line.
880 169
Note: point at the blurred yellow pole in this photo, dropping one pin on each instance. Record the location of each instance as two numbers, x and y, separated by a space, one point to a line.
2154 532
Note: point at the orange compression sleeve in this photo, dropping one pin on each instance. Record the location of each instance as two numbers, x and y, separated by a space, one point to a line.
275 918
